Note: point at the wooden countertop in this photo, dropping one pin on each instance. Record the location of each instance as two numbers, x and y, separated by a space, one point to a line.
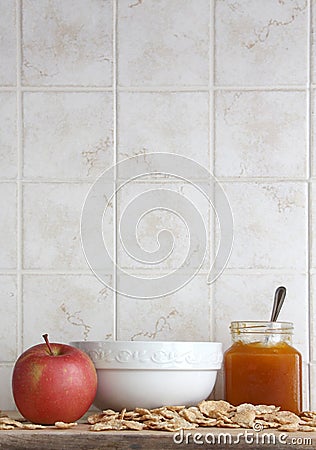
216 438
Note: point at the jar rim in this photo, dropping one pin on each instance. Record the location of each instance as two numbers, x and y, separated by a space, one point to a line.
260 326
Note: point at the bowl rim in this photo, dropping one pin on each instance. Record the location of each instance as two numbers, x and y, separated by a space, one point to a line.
170 355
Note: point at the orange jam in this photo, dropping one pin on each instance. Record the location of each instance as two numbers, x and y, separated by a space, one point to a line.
264 373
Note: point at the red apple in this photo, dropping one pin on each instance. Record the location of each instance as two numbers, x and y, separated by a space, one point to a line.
53 382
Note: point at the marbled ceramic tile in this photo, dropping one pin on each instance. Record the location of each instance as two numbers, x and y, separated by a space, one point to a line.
8 138
219 389
8 317
68 139
52 214
313 386
313 316
261 43
67 307
6 397
270 221
8 226
174 122
167 43
178 208
306 387
250 297
67 135
8 43
313 39
67 42
260 134
182 316
313 225
313 131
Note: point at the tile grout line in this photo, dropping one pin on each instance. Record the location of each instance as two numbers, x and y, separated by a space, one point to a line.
115 135
19 176
260 180
202 88
211 124
269 88
88 181
48 272
309 194
73 89
156 88
228 271
162 88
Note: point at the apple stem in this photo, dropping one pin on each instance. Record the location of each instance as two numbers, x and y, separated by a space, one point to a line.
45 337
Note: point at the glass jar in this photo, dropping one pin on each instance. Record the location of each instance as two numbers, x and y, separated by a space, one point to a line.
262 367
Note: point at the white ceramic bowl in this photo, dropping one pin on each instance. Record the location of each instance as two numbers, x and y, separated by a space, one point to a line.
151 374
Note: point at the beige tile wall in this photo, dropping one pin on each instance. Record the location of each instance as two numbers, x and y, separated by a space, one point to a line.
87 83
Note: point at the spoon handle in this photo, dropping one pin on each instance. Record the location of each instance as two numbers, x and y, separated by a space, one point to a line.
279 297
280 304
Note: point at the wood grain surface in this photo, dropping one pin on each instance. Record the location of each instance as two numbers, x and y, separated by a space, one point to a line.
81 438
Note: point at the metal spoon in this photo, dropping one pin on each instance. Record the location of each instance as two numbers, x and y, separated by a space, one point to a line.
279 297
